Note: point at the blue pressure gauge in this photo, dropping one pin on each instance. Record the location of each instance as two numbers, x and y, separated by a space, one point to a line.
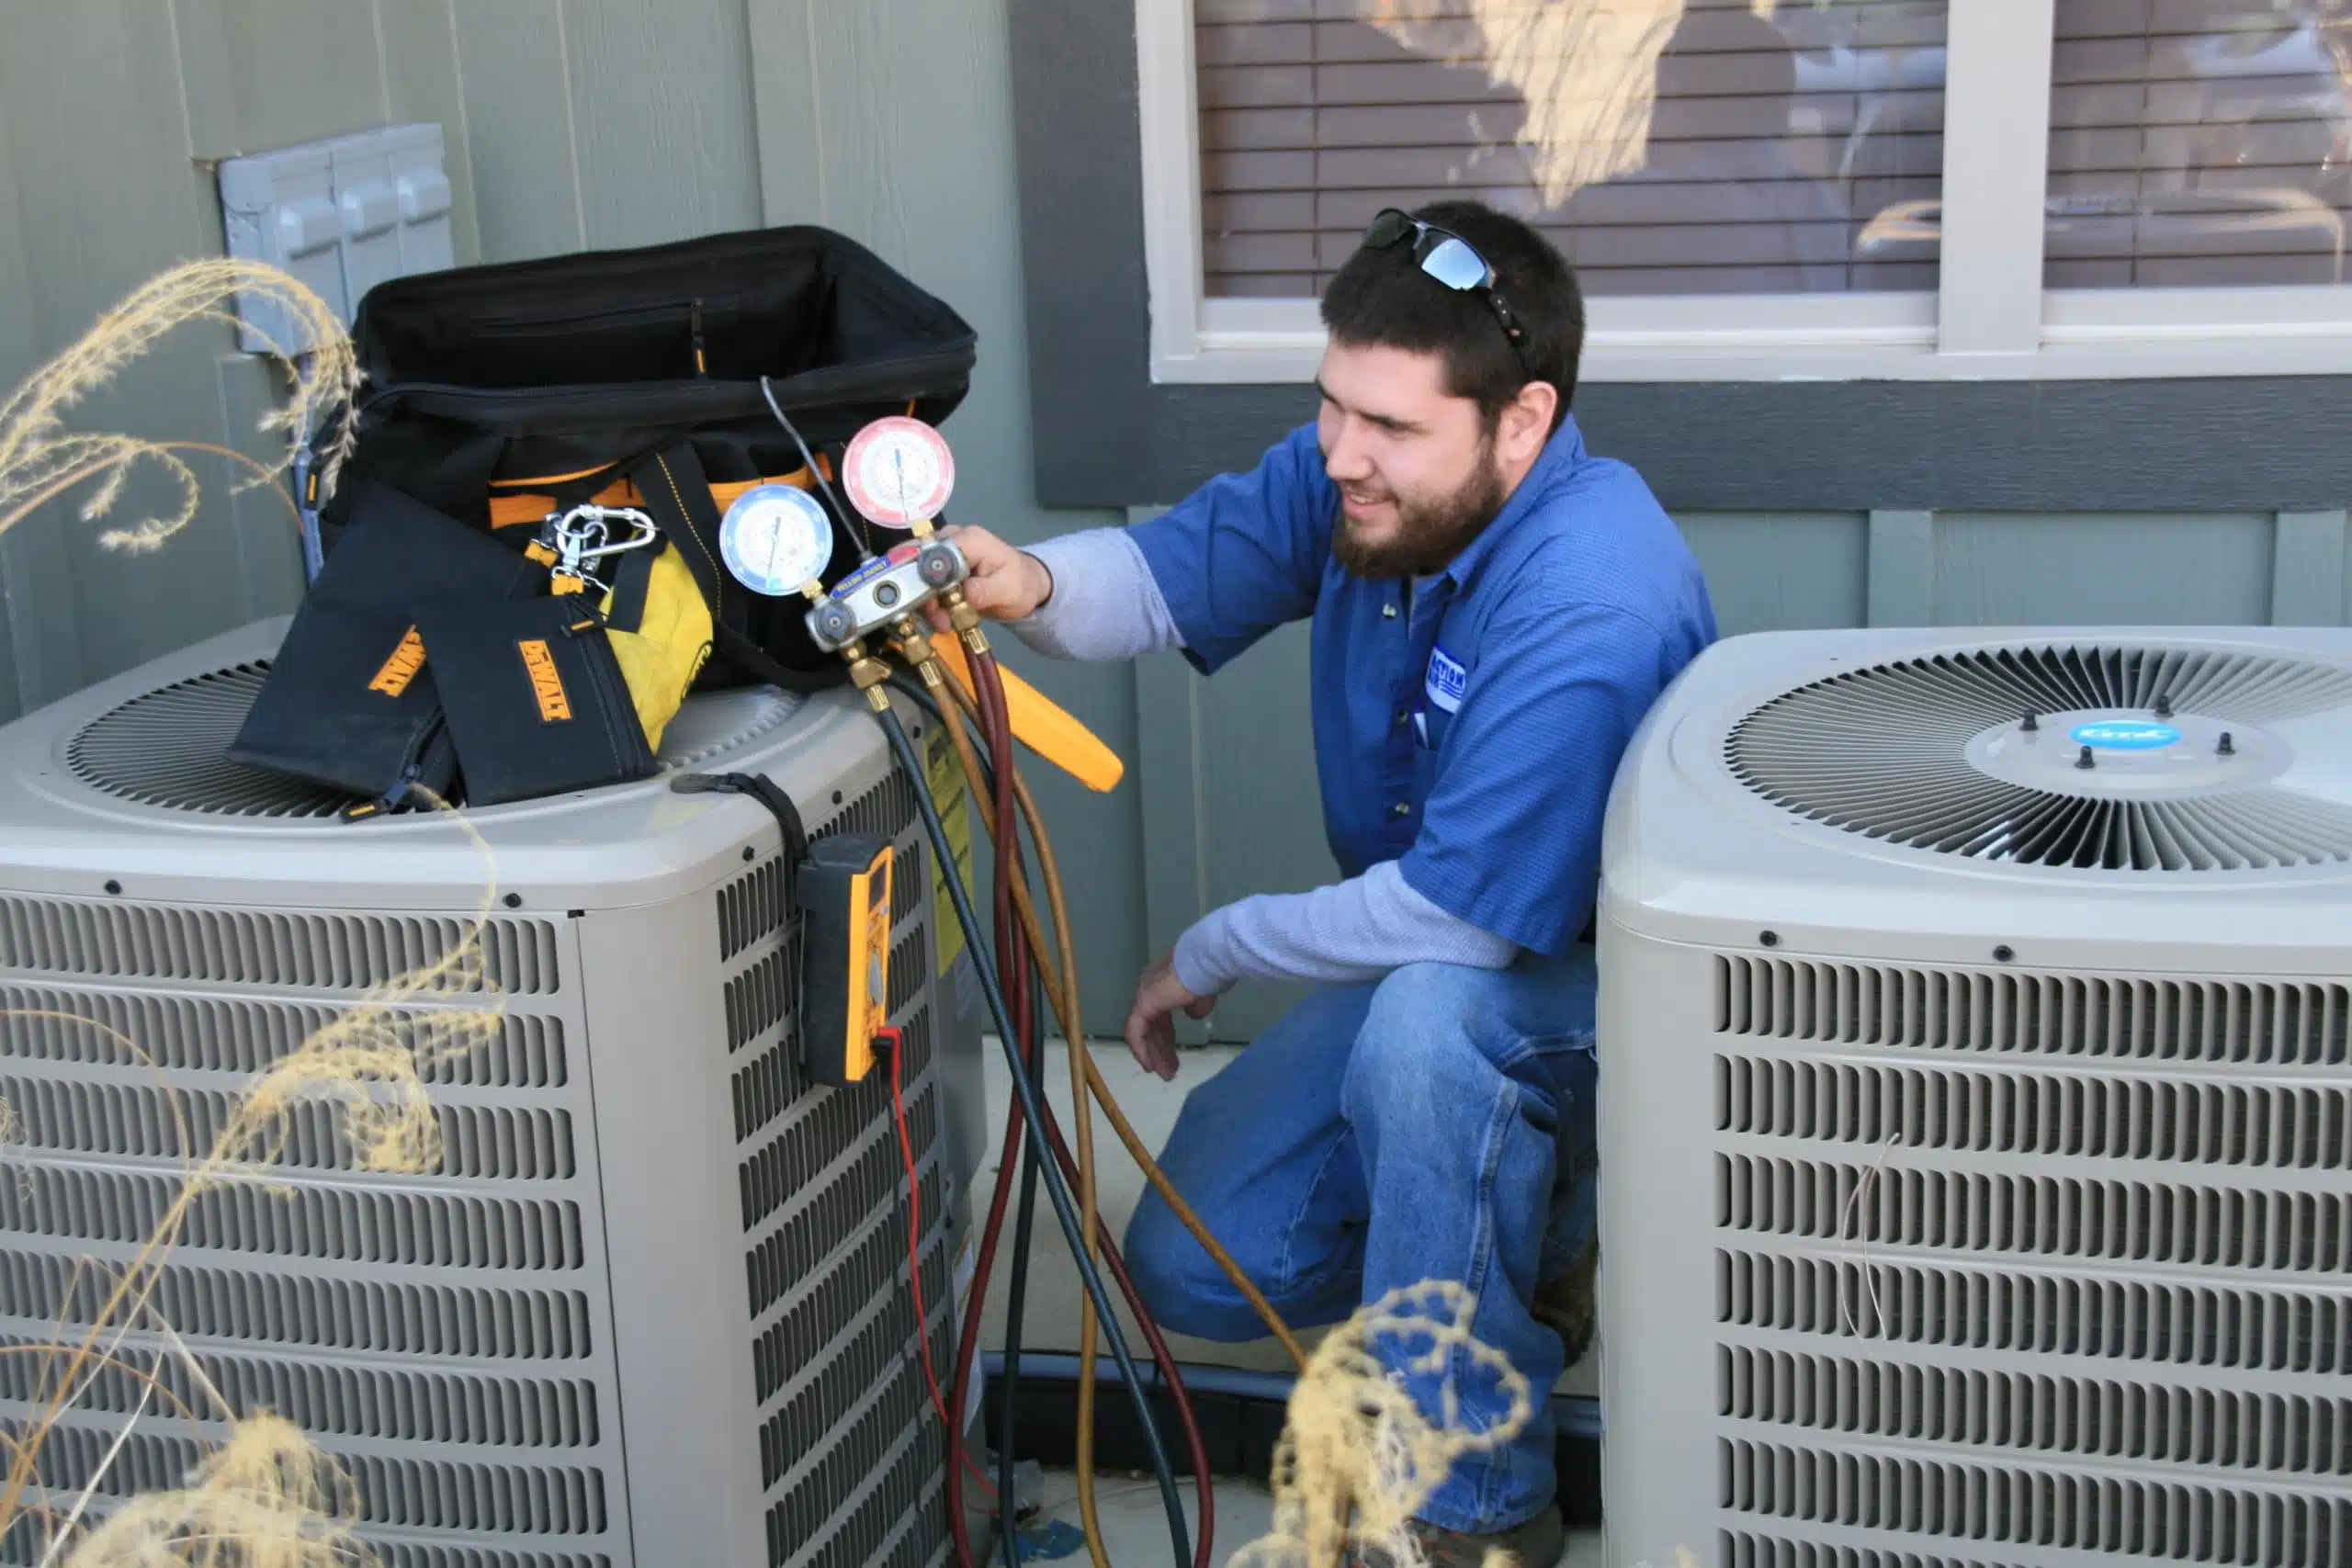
775 538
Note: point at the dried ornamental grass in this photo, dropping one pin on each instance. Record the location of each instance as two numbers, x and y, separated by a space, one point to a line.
265 1499
1357 1455
42 460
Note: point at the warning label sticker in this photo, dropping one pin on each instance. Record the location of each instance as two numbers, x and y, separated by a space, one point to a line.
945 777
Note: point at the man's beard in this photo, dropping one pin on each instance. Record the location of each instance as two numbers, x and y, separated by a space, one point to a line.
1429 534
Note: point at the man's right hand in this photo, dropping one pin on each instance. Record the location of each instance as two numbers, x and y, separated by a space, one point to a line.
1006 585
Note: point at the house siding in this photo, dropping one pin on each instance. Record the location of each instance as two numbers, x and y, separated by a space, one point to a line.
988 149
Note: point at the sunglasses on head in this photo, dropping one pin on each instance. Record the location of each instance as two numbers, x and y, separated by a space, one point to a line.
1452 261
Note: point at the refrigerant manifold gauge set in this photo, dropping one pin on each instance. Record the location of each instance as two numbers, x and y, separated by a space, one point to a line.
899 474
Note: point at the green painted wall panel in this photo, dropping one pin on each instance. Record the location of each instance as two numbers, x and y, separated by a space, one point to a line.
265 74
1769 571
1261 811
2113 570
36 645
519 104
662 118
93 99
422 82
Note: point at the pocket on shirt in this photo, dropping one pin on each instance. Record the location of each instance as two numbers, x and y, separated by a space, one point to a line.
1424 768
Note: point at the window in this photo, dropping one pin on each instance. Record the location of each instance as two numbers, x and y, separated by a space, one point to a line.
1763 189
2198 145
1716 152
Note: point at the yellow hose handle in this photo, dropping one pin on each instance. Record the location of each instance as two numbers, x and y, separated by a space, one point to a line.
1042 725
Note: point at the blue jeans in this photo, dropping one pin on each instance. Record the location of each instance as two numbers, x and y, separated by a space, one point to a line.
1437 1126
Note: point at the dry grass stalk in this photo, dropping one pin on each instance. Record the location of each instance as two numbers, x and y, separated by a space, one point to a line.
267 1499
40 460
1357 1455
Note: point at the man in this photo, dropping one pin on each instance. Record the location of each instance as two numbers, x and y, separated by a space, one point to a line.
1494 611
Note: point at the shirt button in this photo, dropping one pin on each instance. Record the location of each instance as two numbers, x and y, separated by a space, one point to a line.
1388 611
1404 808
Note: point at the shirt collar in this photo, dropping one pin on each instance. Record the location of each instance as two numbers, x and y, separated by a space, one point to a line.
1560 456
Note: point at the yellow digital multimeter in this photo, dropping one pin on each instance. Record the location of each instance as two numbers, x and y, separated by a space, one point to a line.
845 897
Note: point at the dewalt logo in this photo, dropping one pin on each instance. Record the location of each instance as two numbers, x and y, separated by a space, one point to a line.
401 669
547 682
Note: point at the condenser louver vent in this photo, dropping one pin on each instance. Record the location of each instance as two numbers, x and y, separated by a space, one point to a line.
1983 754
168 747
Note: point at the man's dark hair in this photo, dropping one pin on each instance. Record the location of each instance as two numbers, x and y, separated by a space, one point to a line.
1381 299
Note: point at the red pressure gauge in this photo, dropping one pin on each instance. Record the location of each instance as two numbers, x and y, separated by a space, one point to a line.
899 472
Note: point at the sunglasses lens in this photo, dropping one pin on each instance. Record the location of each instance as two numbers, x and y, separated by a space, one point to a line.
1454 264
1387 229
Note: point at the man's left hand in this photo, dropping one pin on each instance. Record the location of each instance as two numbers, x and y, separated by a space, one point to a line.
1151 1021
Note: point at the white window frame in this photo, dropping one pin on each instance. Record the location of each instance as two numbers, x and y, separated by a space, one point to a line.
1989 319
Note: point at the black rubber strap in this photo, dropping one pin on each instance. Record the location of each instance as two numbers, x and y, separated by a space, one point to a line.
678 499
632 583
770 794
759 662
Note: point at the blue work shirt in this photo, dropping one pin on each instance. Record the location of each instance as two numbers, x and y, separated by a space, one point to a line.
1468 726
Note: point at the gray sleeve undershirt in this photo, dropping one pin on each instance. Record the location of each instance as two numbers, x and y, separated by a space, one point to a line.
1352 931
1105 606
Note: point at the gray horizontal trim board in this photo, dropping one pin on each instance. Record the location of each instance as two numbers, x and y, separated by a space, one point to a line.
2219 444
1107 436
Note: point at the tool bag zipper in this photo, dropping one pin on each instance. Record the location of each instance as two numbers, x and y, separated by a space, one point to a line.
432 739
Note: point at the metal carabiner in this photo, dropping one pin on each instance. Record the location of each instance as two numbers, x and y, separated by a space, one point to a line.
583 534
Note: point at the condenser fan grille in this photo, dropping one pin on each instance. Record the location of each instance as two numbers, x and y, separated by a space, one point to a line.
1881 751
169 746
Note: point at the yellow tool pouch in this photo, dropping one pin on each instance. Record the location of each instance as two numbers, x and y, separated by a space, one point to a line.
660 634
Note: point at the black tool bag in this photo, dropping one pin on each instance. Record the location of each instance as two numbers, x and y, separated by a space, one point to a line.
352 701
496 396
633 377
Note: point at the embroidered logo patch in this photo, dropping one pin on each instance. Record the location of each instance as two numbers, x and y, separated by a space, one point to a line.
1446 681
547 682
401 669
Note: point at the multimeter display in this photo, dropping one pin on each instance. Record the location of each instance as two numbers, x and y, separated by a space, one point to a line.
845 895
869 1008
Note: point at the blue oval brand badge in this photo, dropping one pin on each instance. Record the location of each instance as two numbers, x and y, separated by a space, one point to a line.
2124 734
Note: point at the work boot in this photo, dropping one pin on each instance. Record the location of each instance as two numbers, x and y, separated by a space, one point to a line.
1565 1305
1538 1543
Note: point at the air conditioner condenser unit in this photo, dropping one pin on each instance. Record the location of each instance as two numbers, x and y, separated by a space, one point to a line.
653 1306
1976 1104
